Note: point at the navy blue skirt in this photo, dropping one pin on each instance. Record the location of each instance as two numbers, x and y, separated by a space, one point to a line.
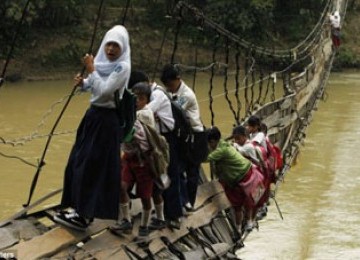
92 175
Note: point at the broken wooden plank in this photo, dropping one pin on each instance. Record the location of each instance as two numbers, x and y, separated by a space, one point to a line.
8 237
206 191
26 209
202 217
55 240
27 229
107 245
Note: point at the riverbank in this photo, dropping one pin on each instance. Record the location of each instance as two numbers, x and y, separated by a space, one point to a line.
56 56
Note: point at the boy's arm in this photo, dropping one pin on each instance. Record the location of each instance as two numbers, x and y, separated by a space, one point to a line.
216 155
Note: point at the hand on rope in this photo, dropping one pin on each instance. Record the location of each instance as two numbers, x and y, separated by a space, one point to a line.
2 80
88 61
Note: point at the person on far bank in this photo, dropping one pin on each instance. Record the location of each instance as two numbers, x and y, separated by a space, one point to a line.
92 179
335 29
186 98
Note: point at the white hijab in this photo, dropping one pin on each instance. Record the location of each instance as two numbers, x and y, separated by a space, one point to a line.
119 35
335 19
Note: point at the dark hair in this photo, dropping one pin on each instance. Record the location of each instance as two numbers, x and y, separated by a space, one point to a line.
213 133
142 88
254 121
169 72
263 128
239 130
137 76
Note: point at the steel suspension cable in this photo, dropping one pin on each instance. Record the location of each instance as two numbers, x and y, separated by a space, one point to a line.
160 52
237 83
227 53
195 63
7 61
178 27
279 53
211 100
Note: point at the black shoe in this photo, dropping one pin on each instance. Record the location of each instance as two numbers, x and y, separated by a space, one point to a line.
174 223
143 232
124 227
71 220
157 224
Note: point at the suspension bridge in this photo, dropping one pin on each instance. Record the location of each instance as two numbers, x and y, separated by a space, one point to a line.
249 88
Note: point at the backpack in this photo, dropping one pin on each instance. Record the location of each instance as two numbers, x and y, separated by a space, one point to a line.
274 153
158 156
274 158
182 125
126 111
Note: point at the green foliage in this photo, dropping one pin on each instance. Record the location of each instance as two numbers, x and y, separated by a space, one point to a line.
250 17
40 14
55 13
347 58
263 22
68 54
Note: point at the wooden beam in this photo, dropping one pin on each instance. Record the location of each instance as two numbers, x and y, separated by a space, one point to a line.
55 240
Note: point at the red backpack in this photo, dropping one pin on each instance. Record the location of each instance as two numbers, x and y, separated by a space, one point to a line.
274 152
272 157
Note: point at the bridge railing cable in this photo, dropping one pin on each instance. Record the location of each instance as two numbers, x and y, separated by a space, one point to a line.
300 48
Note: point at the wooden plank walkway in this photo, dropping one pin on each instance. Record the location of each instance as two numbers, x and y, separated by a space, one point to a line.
56 239
98 241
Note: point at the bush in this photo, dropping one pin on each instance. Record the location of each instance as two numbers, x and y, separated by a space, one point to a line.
347 58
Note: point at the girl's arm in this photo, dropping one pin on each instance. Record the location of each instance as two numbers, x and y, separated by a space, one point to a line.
117 80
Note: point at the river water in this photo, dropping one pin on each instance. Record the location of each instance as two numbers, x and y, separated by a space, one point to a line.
319 199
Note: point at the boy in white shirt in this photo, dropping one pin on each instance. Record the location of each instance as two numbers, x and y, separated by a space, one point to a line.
197 152
161 107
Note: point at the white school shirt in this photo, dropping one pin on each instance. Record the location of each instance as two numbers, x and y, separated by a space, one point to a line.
248 150
260 138
161 107
186 98
109 75
102 91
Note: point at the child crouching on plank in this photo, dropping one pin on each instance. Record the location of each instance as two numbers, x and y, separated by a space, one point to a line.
242 181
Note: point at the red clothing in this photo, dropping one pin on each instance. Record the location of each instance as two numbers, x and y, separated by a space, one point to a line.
134 171
249 192
335 37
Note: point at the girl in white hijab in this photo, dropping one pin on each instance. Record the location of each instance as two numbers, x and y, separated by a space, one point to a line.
92 175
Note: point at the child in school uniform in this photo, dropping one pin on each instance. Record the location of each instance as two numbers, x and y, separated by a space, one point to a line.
91 181
241 180
136 168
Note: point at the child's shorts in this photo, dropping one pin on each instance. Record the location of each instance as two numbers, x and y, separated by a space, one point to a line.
133 173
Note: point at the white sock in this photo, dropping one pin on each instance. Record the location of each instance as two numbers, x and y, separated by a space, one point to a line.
159 210
125 211
188 205
120 215
238 227
145 217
